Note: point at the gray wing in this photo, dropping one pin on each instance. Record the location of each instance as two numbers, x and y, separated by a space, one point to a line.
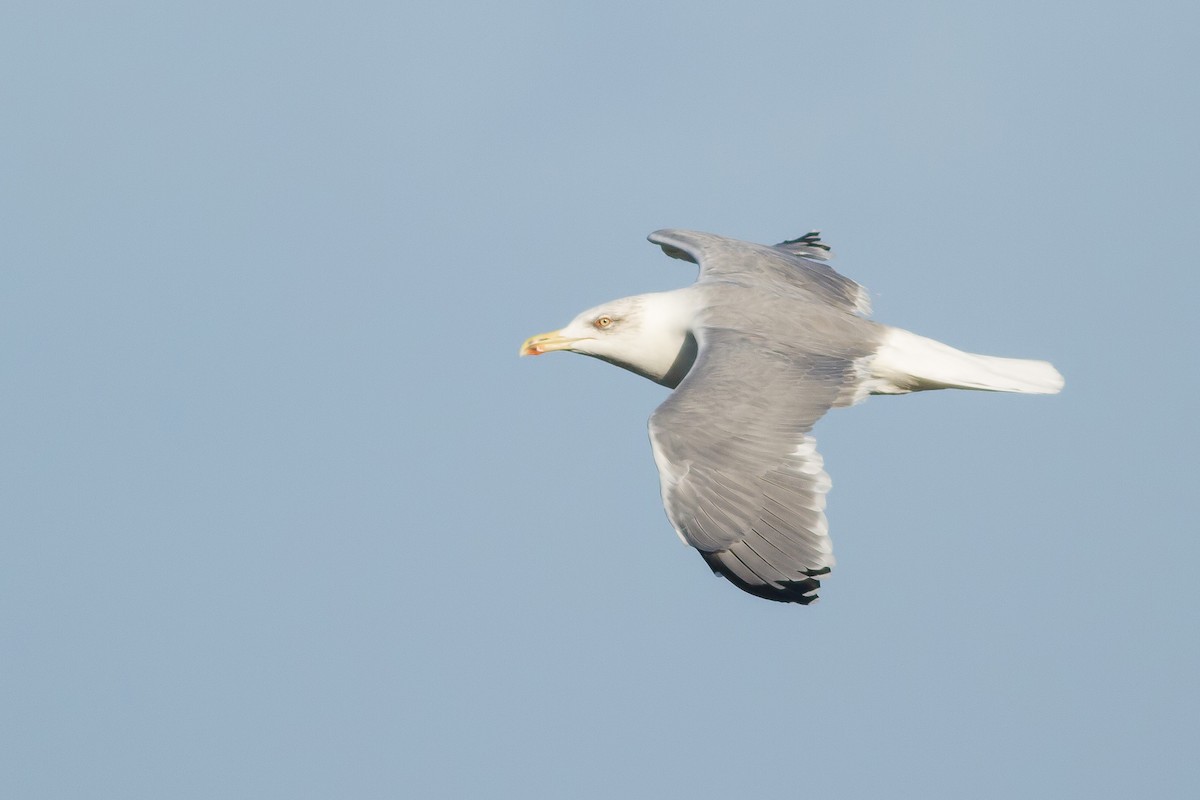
741 478
788 266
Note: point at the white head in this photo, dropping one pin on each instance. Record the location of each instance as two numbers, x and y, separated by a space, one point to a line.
647 334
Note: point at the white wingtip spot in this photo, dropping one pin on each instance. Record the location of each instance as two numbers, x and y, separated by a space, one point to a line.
806 448
862 303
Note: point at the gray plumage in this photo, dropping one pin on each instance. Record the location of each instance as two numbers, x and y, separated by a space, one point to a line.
753 493
766 341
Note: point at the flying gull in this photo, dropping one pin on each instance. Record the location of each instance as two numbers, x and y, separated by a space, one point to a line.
757 350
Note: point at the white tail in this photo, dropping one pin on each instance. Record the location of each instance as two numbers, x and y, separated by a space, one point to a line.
906 362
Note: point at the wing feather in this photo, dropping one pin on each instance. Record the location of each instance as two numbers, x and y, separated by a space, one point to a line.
789 266
741 479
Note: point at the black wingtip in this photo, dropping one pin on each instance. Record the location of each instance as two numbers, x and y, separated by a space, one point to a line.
807 246
810 239
803 592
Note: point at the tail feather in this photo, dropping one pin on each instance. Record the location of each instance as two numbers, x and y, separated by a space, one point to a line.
906 362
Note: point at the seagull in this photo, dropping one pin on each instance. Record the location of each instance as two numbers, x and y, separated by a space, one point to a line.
765 341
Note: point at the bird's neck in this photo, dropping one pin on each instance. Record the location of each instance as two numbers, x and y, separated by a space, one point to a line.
666 349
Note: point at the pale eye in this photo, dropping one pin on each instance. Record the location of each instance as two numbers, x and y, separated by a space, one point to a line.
603 322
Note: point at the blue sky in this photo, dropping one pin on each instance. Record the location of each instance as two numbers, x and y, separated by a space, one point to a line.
287 517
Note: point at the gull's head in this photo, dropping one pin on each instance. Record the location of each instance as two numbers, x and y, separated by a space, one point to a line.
605 331
645 334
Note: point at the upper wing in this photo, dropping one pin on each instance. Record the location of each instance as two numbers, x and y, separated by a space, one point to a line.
788 265
741 478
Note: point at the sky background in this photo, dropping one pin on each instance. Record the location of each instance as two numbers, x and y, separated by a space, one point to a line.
285 516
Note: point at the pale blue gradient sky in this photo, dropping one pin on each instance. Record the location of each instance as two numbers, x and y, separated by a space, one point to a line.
285 516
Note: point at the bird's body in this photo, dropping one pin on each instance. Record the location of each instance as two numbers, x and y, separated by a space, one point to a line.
757 350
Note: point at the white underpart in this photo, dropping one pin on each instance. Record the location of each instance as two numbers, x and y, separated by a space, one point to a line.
906 362
666 321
